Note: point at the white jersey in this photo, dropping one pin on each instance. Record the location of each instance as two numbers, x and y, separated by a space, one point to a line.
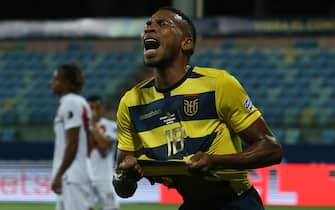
102 168
73 111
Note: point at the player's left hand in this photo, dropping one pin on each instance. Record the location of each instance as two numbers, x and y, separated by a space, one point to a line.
200 162
57 185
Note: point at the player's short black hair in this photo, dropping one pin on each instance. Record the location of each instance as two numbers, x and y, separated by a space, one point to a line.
188 21
74 74
92 98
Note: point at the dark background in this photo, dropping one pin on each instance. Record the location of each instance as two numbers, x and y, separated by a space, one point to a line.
68 9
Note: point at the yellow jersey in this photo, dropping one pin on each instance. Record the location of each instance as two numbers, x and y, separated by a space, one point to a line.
204 112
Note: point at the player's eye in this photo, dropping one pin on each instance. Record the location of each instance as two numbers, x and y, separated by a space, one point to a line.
149 22
162 22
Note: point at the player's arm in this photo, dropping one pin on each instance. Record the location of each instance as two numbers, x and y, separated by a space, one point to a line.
236 109
104 143
127 173
263 150
71 147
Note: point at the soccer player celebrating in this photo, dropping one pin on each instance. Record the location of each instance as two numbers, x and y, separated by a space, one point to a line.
195 114
101 160
70 178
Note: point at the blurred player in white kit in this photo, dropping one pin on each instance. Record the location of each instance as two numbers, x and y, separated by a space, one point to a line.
70 179
102 157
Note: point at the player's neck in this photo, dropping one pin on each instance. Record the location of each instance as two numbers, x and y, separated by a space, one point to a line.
167 77
65 93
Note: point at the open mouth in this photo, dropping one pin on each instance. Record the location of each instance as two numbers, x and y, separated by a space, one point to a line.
151 44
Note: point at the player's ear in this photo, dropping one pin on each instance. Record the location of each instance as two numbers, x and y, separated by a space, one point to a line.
187 43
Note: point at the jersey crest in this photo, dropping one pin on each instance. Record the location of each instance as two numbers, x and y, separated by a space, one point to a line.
191 105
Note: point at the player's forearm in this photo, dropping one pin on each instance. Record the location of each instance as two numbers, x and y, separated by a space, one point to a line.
101 140
69 156
263 153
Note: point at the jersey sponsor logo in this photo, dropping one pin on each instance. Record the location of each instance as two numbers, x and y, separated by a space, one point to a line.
191 105
150 114
248 104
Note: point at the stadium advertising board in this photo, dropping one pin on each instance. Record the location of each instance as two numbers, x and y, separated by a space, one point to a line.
30 182
132 27
285 184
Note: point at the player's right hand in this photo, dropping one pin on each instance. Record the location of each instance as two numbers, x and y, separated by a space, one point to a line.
129 169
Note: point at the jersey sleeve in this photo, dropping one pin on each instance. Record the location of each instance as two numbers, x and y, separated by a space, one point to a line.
111 130
233 103
128 139
72 114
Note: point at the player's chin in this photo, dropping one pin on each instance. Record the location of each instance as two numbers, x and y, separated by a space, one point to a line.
151 62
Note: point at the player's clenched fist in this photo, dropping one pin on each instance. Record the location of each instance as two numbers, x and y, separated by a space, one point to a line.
127 174
130 169
200 162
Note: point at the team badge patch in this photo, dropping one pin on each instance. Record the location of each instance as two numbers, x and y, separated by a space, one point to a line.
69 114
191 105
248 104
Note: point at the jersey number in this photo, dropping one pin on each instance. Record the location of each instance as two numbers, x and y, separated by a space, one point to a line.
175 140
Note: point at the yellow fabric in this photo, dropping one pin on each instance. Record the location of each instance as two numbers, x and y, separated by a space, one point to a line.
184 117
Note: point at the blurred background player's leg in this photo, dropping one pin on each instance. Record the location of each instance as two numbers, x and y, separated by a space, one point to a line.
77 196
59 203
106 195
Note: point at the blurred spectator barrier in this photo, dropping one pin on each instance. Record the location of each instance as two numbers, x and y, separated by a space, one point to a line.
286 184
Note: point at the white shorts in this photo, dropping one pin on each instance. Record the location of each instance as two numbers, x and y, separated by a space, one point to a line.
59 203
77 196
106 196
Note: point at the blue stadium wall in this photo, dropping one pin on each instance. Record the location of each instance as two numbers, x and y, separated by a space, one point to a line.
301 153
294 59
